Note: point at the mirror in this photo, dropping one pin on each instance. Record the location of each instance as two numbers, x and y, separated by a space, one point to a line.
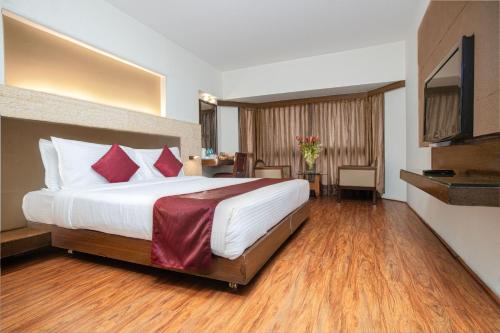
208 122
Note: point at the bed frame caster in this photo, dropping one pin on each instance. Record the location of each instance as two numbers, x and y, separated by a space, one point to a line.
233 286
70 251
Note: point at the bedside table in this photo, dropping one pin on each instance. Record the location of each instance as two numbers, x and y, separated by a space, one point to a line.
314 180
22 240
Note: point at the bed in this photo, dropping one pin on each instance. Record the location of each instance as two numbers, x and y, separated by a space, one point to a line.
114 220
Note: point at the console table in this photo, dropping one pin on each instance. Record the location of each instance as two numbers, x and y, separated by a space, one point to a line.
457 190
476 163
215 162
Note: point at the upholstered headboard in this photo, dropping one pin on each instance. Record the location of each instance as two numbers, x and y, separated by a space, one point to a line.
22 169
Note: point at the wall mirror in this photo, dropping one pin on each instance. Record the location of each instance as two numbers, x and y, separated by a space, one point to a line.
208 122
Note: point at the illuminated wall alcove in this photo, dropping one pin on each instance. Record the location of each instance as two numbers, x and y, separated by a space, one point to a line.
40 59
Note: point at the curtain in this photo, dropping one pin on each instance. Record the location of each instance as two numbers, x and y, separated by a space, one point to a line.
276 129
441 112
377 158
343 128
351 132
246 119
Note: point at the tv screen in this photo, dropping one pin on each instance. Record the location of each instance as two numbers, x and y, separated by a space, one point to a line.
448 96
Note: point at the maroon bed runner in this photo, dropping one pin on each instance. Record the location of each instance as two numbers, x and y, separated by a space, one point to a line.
182 225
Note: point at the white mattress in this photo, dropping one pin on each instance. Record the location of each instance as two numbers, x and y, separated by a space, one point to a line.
126 209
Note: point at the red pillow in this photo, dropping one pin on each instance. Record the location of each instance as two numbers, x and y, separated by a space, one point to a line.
116 166
168 164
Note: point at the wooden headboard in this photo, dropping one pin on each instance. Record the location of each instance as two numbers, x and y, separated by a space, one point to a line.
22 169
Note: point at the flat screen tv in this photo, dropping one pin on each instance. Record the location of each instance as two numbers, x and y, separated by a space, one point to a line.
449 96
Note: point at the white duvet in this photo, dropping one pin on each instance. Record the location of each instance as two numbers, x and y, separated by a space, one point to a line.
126 209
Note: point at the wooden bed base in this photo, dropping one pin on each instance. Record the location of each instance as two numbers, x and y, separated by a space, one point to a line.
237 272
22 171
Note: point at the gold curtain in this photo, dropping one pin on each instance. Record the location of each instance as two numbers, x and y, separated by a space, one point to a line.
351 132
377 158
247 135
276 129
343 128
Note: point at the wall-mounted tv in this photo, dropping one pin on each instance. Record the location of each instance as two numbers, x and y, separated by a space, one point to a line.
449 96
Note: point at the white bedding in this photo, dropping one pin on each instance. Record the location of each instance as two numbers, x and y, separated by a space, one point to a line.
126 209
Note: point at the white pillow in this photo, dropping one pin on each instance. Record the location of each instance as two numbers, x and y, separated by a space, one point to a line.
148 157
50 164
76 159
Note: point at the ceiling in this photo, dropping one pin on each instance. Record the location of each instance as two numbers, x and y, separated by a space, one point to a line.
231 34
312 93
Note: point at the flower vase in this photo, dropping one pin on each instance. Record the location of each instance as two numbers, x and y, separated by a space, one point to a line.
311 168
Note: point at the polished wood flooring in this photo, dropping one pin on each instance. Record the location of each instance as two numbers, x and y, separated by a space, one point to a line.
352 267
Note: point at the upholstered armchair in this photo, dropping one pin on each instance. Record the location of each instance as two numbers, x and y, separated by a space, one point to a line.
261 170
351 177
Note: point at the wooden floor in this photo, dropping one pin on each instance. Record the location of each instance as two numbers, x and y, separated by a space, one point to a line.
351 268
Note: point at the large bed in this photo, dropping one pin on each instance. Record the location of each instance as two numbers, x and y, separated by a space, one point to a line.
115 220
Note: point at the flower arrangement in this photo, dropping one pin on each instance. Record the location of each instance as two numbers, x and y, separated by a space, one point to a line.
310 148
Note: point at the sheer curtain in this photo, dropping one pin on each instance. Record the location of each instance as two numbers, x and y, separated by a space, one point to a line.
351 132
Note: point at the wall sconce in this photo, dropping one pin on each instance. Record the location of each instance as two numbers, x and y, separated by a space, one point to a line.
194 157
206 97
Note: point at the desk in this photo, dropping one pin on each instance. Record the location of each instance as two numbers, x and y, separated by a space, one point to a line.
214 163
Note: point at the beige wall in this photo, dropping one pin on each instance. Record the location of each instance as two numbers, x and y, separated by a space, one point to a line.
441 29
42 60
29 104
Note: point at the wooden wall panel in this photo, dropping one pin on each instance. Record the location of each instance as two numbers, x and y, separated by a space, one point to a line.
439 17
442 27
479 158
21 166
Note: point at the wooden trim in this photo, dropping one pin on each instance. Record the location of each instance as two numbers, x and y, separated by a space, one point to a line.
459 259
235 104
312 100
389 87
294 101
240 270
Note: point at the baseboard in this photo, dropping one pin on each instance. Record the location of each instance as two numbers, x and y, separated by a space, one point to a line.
395 200
488 290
